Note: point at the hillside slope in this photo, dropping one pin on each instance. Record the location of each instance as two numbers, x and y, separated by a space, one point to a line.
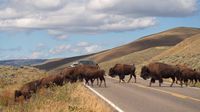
166 38
187 52
134 58
21 62
55 63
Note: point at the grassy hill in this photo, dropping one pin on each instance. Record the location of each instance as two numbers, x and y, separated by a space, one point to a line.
21 62
55 63
134 58
166 38
187 52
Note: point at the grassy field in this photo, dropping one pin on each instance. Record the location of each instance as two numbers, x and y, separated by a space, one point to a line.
68 98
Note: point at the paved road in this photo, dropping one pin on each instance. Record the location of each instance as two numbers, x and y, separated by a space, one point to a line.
131 97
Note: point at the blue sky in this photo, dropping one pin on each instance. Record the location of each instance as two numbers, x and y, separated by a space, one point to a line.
32 29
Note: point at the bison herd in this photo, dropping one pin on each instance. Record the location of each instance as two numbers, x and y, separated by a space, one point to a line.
153 71
71 75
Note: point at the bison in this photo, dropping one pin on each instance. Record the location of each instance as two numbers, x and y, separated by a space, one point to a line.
52 79
187 74
71 74
27 89
158 71
122 70
76 73
92 74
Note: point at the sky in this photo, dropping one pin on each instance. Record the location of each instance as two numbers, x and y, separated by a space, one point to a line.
40 29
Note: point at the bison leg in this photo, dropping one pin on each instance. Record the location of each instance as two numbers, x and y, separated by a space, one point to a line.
97 81
134 77
130 78
92 82
173 80
195 81
121 77
102 78
86 81
160 82
186 82
151 81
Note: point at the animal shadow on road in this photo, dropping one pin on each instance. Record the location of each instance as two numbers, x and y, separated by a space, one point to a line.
166 86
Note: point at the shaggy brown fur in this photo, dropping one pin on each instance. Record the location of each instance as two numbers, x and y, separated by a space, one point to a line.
158 71
122 70
27 89
52 79
92 74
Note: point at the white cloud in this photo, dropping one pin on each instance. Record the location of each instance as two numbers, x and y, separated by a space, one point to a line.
82 44
166 8
60 49
36 55
61 17
92 48
62 37
86 47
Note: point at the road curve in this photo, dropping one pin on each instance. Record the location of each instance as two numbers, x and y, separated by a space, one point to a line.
138 97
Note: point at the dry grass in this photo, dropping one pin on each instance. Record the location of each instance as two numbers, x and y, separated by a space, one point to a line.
187 52
67 98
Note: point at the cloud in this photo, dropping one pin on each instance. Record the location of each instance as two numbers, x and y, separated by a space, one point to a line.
92 48
60 49
36 55
83 44
135 8
64 17
80 48
86 48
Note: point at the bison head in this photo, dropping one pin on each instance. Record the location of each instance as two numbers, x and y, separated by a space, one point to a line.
111 72
17 94
145 73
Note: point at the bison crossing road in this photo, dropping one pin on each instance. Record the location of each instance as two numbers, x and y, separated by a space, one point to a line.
88 73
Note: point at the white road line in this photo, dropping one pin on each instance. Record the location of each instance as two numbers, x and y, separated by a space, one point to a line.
105 99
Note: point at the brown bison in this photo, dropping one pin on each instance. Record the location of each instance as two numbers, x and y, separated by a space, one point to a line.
27 89
187 74
52 79
76 73
92 74
122 70
71 74
158 71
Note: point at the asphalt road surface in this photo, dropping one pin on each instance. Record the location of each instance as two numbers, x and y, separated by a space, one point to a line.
138 97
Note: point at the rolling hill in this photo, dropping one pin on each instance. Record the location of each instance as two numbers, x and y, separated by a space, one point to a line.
56 63
187 52
134 58
167 38
22 62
